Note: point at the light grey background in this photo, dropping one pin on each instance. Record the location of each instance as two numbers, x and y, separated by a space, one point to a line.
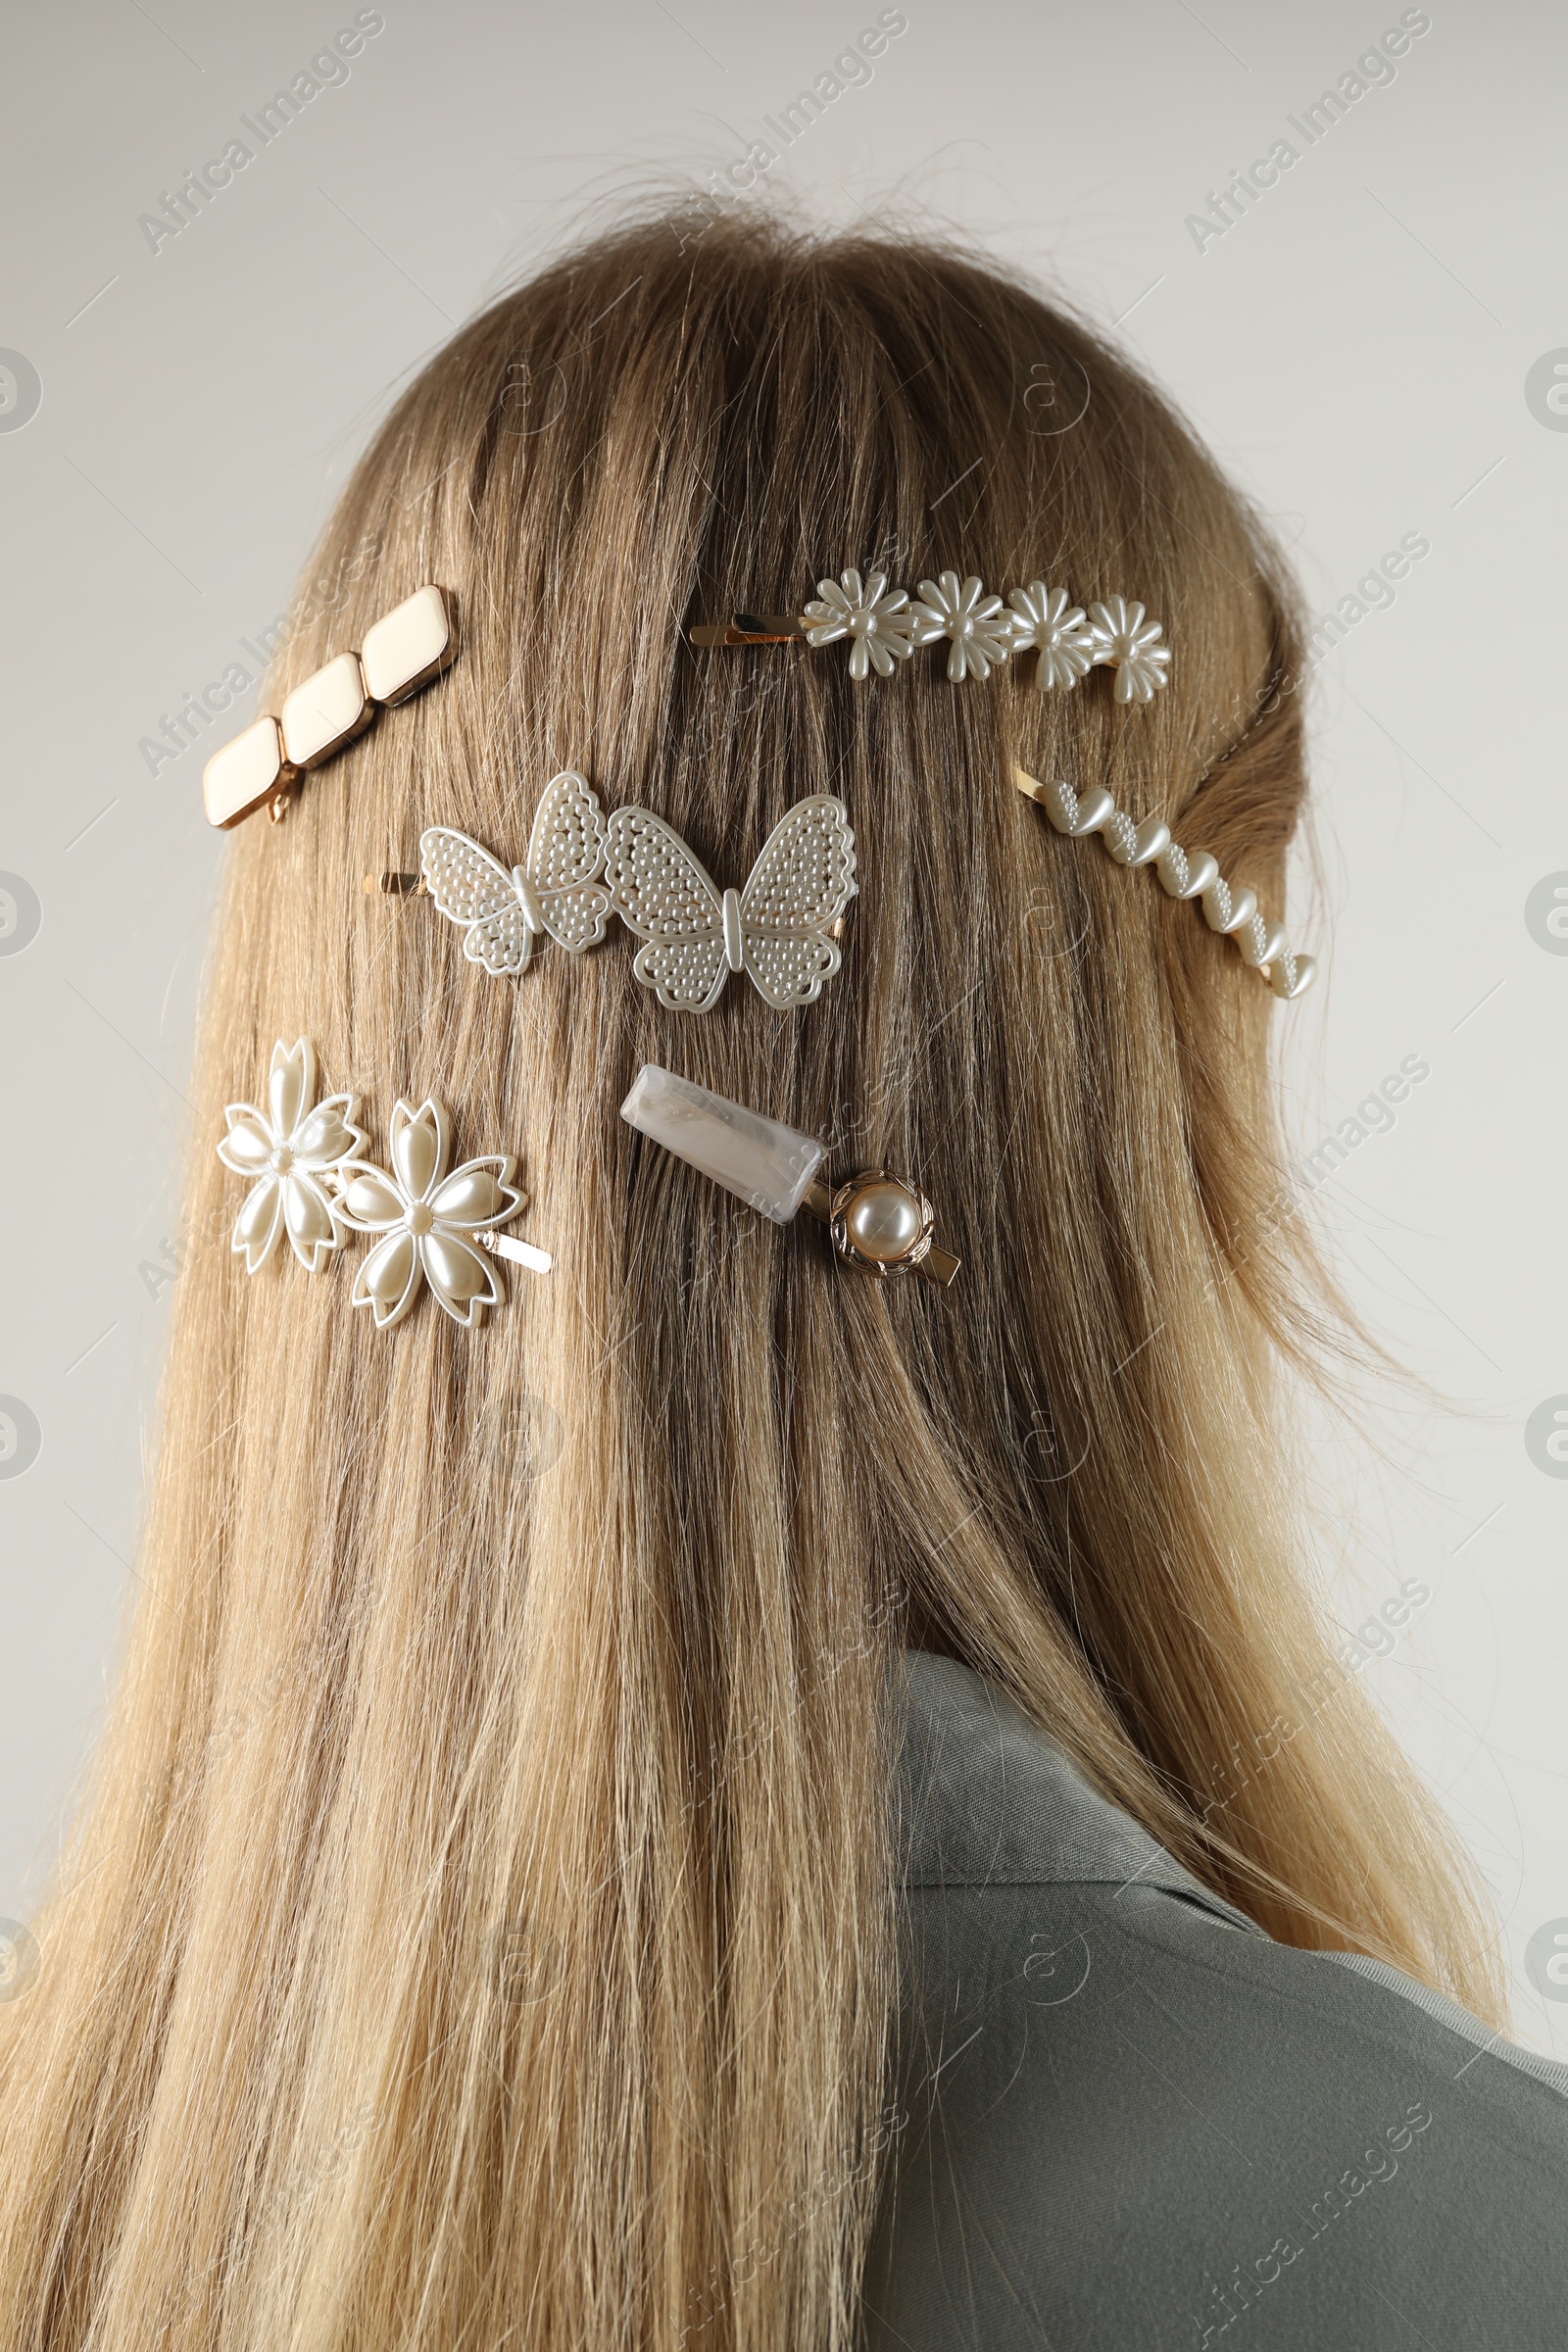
1357 347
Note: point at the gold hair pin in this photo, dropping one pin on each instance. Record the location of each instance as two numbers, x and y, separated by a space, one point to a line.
404 651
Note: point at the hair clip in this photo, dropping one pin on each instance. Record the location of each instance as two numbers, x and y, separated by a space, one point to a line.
290 1150
875 1220
556 892
432 1225
780 928
1183 874
404 651
883 628
310 1183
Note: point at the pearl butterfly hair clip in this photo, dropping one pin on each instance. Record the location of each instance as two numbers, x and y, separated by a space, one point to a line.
308 1180
883 626
1183 874
780 927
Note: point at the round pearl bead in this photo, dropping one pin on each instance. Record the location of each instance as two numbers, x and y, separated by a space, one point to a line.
420 1219
884 1222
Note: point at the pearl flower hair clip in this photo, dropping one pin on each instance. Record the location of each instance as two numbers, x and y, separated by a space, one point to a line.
291 1151
883 626
1183 874
310 1181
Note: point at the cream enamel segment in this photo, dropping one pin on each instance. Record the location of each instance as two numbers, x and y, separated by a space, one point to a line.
406 649
243 772
324 711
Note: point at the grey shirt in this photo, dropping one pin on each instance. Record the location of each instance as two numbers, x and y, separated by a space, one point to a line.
1128 2119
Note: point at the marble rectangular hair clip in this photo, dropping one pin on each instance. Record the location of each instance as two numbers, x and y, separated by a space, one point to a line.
759 1159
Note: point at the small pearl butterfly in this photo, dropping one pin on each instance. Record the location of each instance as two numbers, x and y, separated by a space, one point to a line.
556 891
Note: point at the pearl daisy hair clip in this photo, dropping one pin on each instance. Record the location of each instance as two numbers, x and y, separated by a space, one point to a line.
308 1180
265 764
780 927
883 625
875 1220
1183 874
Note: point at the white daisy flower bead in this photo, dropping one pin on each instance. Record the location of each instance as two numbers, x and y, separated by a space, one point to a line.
1045 621
875 618
1129 644
980 631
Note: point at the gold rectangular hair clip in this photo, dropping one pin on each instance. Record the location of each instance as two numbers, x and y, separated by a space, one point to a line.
405 650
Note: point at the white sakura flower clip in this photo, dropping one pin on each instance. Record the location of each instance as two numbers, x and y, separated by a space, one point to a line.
1126 642
980 630
289 1149
875 618
433 1226
1044 619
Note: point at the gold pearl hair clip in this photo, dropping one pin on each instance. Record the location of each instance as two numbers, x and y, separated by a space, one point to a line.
1183 874
883 626
404 651
875 1220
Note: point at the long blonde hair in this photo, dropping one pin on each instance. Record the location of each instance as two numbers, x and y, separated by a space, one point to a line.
482 1928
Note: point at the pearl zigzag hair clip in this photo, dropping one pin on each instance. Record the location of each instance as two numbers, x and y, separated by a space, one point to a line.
307 1180
884 626
780 927
1183 874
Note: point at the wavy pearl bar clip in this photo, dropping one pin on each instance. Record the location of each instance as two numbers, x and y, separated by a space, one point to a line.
1183 874
883 625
